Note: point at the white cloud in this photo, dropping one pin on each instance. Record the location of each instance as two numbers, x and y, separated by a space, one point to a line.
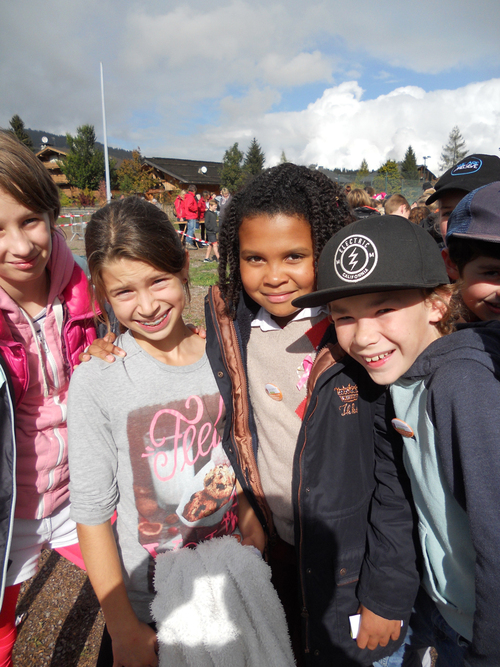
340 128
189 80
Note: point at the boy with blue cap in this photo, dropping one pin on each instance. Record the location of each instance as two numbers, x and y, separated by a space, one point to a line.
472 255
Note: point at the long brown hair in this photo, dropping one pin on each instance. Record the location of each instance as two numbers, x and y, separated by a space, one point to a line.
24 177
134 229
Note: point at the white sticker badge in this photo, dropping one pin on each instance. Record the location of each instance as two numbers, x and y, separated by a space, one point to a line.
355 259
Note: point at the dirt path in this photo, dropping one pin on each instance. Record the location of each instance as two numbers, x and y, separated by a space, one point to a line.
62 624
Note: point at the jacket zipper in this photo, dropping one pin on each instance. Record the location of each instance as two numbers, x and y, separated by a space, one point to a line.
239 364
224 361
304 611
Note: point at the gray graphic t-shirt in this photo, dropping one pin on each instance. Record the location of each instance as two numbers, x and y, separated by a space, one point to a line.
144 438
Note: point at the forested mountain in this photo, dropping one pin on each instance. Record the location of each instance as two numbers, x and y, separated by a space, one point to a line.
59 141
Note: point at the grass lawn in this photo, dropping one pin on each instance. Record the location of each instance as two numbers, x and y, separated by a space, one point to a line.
203 274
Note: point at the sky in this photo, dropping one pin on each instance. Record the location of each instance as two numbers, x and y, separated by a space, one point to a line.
327 82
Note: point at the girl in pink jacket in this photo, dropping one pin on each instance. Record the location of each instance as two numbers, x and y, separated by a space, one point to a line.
46 321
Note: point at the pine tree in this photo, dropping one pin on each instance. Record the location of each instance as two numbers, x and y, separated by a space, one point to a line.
454 151
283 158
409 168
363 172
254 160
388 178
17 126
84 164
231 174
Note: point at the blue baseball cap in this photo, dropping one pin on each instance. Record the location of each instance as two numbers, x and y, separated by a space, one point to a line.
477 216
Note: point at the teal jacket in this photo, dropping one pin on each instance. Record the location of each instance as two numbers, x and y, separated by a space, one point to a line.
450 399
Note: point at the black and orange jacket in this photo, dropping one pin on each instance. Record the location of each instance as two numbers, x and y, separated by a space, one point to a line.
353 522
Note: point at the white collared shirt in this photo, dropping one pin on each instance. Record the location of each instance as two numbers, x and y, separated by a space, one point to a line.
264 319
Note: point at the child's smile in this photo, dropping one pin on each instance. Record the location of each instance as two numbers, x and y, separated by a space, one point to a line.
481 287
147 301
385 331
25 245
276 262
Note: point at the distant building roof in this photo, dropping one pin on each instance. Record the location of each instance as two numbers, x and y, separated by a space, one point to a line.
50 156
48 152
187 171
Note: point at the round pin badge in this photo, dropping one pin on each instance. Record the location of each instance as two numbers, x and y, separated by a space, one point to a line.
355 259
274 392
403 428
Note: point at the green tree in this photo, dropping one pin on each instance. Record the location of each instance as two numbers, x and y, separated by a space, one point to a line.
283 158
84 164
454 151
253 164
231 174
133 176
363 172
409 168
388 178
17 125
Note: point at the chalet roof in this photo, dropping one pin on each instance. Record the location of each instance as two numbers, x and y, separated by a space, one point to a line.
187 171
49 151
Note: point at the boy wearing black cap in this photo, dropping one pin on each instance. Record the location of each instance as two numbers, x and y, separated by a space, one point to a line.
387 291
472 256
470 173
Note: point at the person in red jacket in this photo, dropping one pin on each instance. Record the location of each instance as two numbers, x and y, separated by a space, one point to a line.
191 214
179 214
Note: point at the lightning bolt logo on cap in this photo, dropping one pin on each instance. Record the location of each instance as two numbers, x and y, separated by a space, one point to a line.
355 259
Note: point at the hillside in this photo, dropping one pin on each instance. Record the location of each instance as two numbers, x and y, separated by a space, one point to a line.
59 141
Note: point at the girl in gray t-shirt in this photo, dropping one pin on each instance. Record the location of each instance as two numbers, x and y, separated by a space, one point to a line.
145 431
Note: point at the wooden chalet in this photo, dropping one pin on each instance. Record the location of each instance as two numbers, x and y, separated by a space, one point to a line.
426 174
51 156
178 174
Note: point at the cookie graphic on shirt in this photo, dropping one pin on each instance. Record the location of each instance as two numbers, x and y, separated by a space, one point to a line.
200 505
219 482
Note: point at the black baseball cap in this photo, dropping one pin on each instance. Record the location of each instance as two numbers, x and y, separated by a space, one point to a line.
470 173
377 254
477 216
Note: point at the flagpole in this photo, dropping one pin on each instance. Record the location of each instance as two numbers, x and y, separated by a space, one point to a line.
106 160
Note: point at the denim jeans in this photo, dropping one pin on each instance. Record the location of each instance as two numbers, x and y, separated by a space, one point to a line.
428 628
190 231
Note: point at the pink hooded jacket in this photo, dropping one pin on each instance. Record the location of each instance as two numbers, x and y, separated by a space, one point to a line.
40 375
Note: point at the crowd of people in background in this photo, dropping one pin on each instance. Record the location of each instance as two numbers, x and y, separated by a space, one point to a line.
366 202
190 211
427 211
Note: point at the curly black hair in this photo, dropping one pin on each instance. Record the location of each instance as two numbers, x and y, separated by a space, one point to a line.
287 189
